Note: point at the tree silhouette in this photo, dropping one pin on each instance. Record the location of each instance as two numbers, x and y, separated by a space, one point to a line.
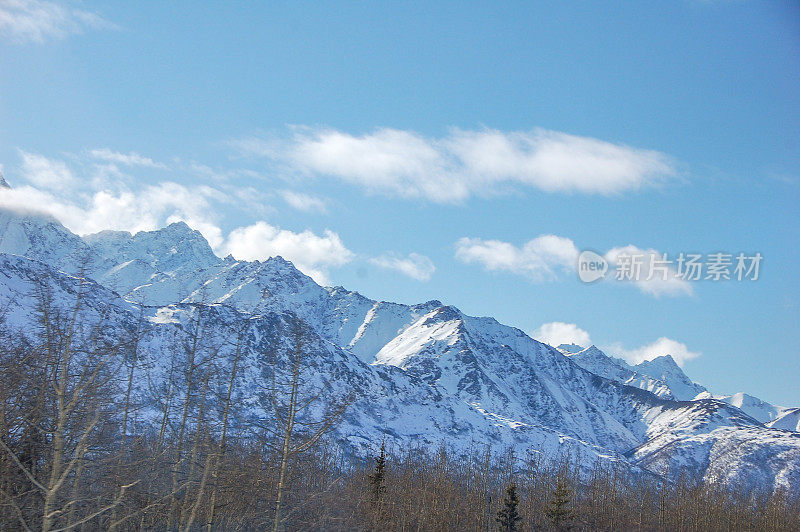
508 516
559 509
377 478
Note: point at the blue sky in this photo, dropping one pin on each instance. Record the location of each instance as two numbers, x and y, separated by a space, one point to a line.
454 151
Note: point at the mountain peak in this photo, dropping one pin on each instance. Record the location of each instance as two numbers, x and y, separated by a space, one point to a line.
279 261
107 235
179 227
664 368
663 361
754 407
41 237
443 314
174 232
3 182
452 378
570 348
280 265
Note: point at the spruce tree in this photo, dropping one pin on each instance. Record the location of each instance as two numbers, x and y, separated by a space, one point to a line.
376 479
507 516
558 508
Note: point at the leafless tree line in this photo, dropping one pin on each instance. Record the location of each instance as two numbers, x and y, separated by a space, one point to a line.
85 446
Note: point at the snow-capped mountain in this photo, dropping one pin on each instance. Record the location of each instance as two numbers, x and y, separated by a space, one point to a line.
754 407
665 369
789 420
661 376
425 374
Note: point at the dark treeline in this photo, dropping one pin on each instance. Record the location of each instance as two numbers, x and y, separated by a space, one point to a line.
72 458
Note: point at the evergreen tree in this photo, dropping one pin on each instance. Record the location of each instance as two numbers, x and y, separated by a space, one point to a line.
376 479
508 516
559 510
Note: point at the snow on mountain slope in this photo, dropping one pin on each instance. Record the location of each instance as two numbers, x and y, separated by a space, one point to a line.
596 361
38 237
26 283
665 369
176 264
424 373
501 370
381 323
163 266
717 442
568 349
175 255
752 406
601 364
387 403
790 420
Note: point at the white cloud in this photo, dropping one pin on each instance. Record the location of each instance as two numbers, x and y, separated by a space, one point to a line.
46 173
106 198
311 253
557 332
463 163
654 277
103 197
304 202
416 266
154 206
544 257
128 159
663 346
538 259
37 21
149 208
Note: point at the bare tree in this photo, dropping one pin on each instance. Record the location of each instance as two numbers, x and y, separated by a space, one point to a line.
73 370
226 411
301 415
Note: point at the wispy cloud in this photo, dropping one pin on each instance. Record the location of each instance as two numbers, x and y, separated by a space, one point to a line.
127 159
304 202
539 259
81 194
47 173
148 208
37 21
463 163
310 252
545 257
414 265
556 333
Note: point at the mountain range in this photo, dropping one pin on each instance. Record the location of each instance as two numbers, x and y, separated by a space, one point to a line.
424 374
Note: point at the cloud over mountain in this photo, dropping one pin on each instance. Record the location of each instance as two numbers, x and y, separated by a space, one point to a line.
310 252
557 332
